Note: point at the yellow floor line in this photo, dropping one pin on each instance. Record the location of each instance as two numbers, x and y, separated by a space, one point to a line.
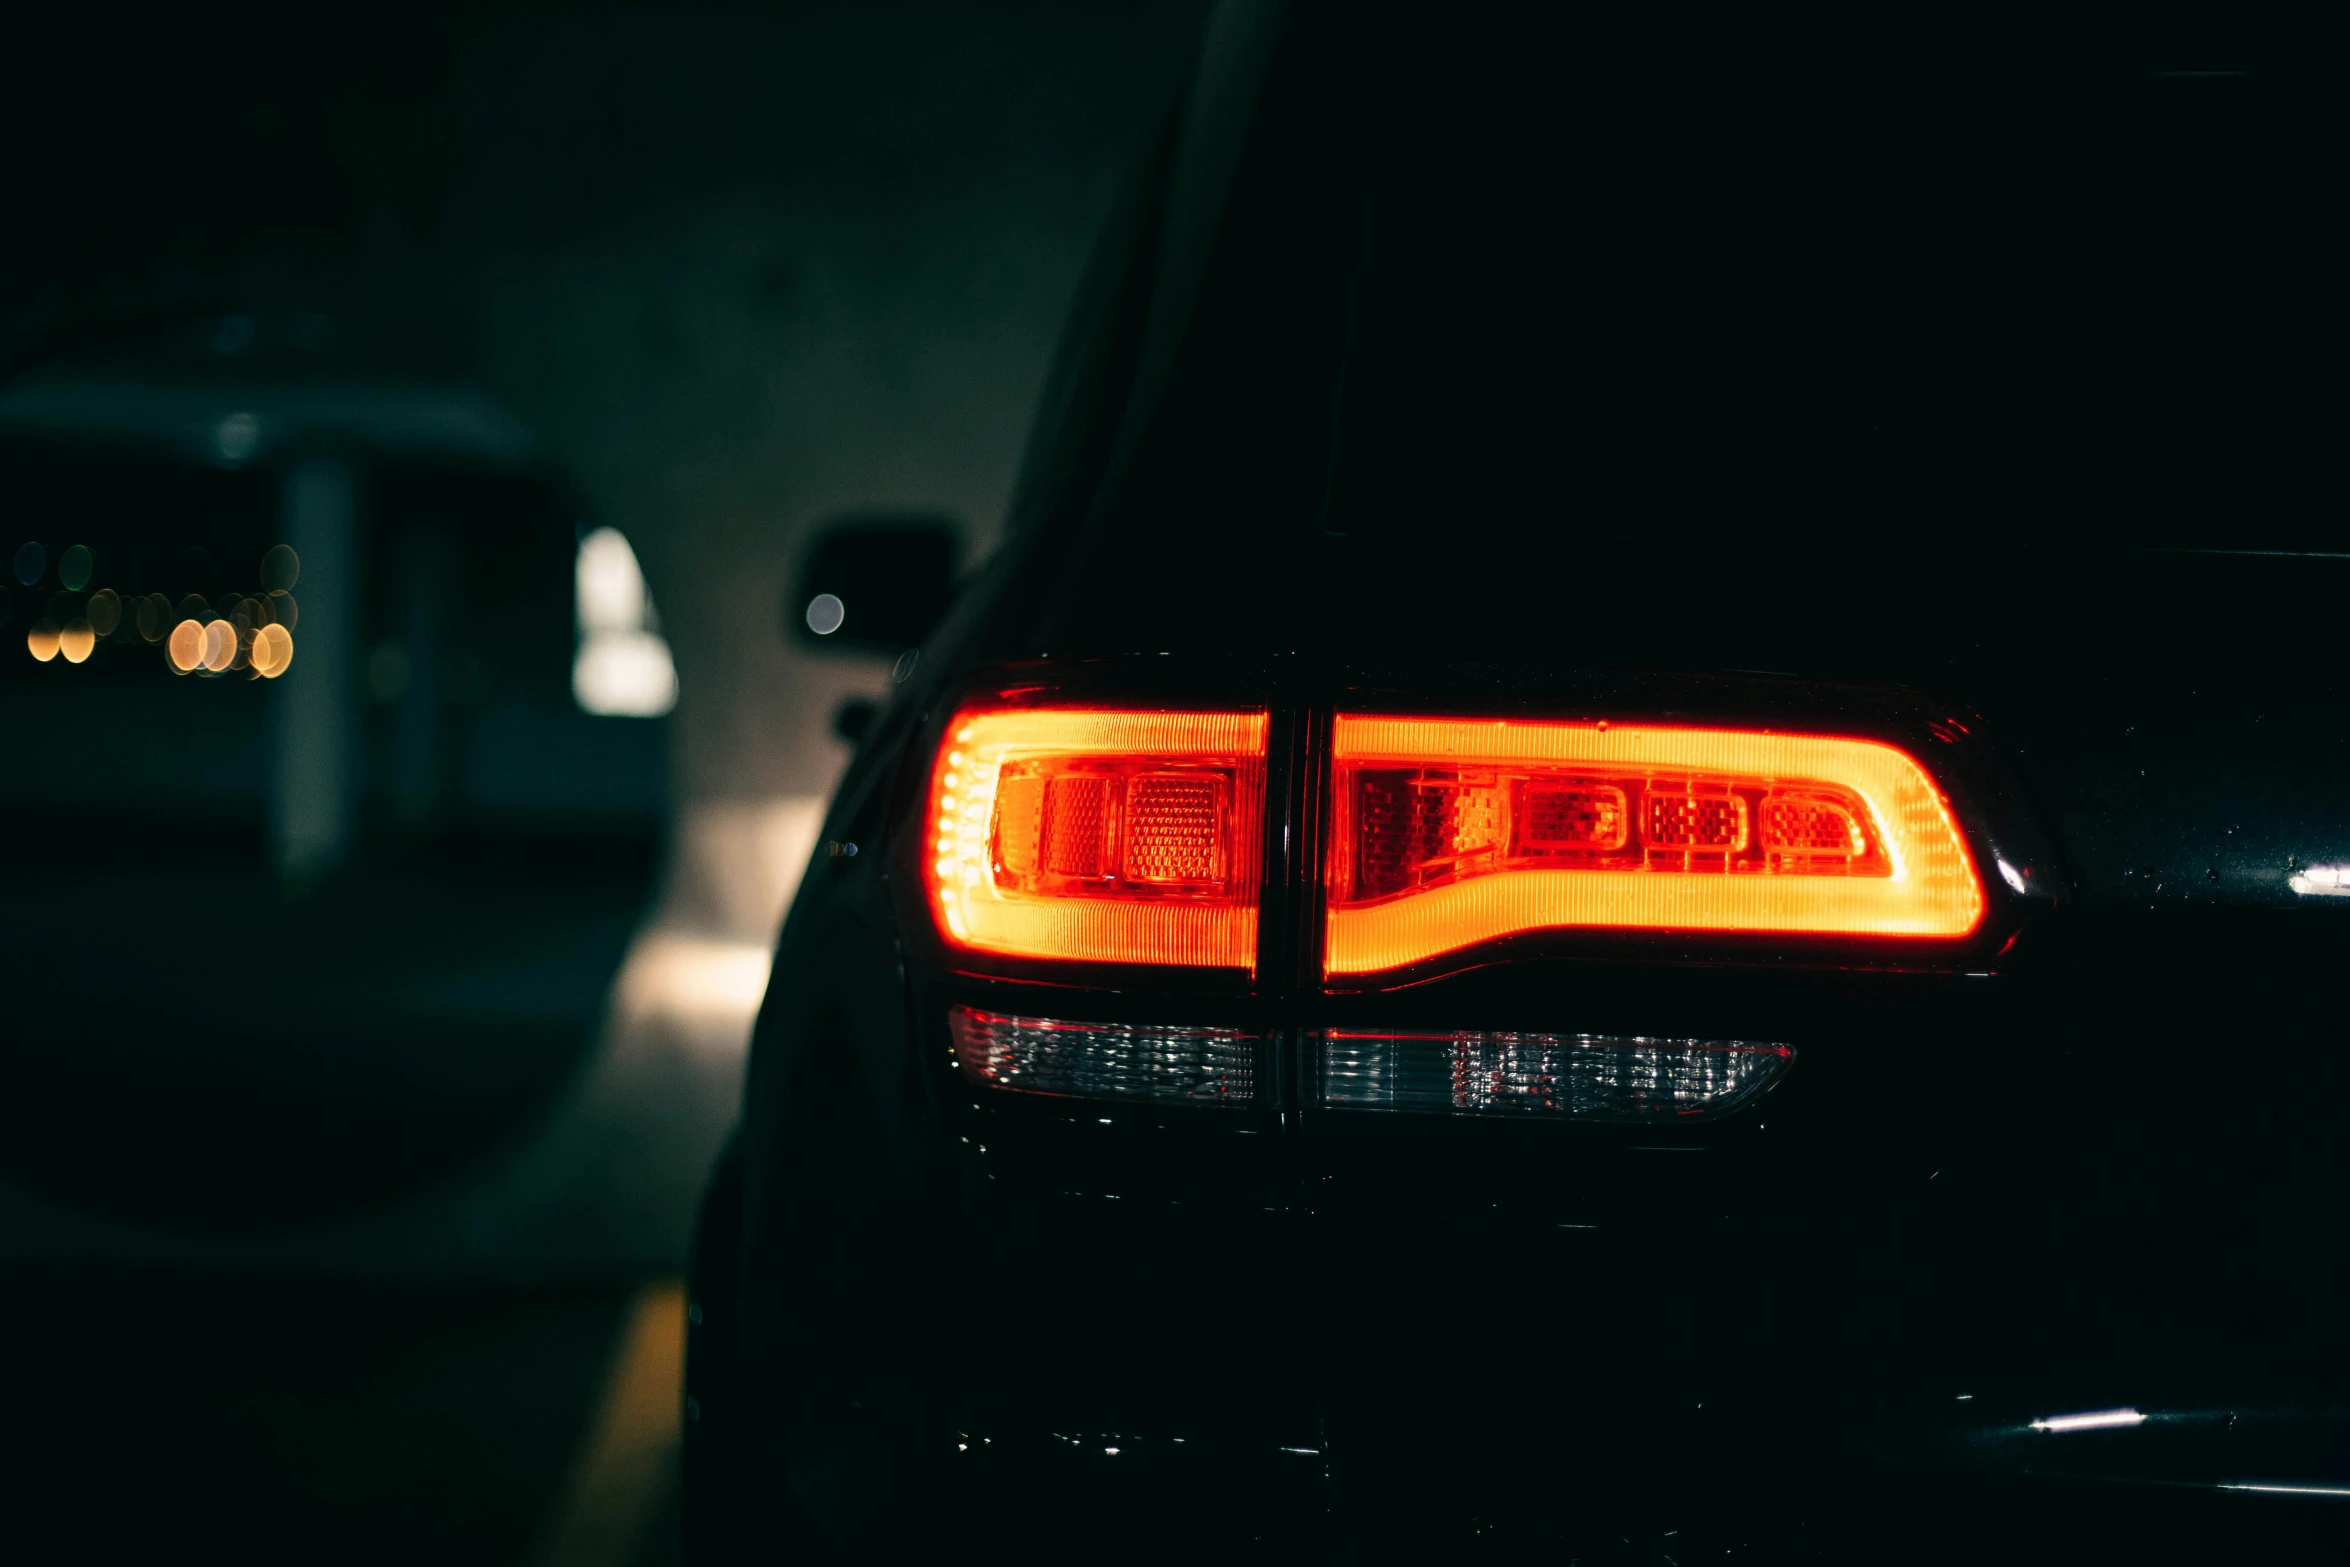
628 1464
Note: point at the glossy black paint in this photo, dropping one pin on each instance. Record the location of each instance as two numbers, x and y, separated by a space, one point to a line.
893 574
2089 1158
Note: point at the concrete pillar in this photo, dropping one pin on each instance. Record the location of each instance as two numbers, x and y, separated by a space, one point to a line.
316 702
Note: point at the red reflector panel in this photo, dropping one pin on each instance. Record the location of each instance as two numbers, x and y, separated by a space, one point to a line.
1451 832
1175 829
1100 837
1587 816
1683 816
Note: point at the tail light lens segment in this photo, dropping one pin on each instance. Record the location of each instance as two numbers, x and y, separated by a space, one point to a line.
1103 837
1173 1063
1451 832
1584 1076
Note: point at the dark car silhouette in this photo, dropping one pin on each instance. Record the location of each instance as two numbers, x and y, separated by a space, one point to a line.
1637 858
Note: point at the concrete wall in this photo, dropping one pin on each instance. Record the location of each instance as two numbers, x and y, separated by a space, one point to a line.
739 269
825 267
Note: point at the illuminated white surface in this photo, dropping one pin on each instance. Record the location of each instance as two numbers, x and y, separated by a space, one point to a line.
2321 881
736 865
699 968
2093 1420
694 980
610 585
624 674
623 668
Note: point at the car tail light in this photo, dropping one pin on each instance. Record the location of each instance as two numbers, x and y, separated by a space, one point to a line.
1104 837
1589 1076
1166 1062
1451 832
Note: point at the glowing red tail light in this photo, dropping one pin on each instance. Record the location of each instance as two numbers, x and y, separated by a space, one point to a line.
1451 832
1106 837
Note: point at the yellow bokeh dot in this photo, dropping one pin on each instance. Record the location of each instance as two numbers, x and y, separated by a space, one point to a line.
76 640
187 646
220 646
42 640
273 648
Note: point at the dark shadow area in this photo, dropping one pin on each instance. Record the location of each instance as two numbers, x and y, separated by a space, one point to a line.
413 420
196 1088
273 1419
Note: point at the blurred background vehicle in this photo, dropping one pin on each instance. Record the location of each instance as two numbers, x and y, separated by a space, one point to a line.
543 381
316 727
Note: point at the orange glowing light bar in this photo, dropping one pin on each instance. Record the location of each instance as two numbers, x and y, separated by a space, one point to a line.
1099 837
1451 832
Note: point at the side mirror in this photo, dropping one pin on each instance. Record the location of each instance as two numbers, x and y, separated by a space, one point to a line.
876 584
853 718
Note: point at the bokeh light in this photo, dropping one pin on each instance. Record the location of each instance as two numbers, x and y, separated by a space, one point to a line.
76 641
195 607
105 611
273 650
75 568
281 568
237 437
220 646
154 618
31 561
283 611
42 640
187 646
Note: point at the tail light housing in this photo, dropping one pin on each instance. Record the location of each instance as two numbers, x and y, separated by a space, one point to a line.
1449 833
1100 836
1062 829
1073 830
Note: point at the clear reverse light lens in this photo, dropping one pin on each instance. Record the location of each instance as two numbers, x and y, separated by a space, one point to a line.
1587 1076
1169 1063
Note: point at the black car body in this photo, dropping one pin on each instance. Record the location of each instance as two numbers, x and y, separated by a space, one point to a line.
1430 373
